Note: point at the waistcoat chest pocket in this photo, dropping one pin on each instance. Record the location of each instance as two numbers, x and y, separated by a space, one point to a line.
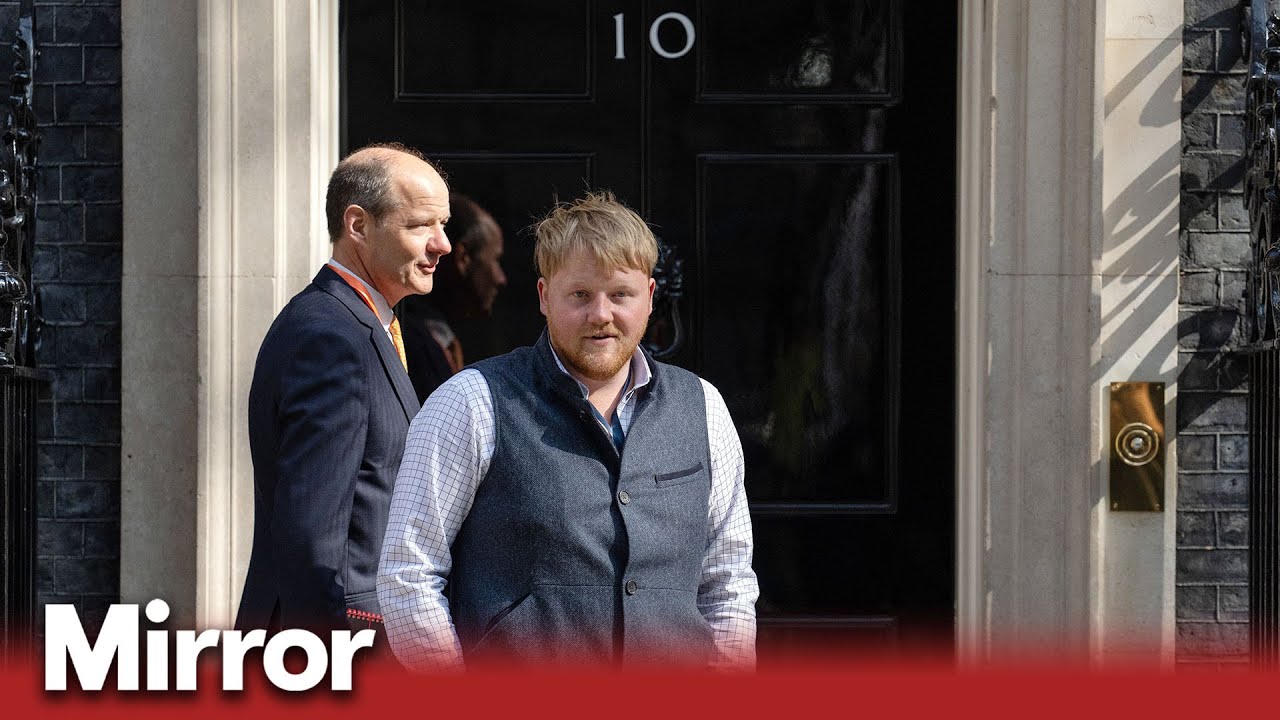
680 477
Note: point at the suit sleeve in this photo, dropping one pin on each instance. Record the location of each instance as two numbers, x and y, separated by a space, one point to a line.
323 420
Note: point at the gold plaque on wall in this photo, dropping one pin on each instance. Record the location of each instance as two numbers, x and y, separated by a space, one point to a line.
1137 446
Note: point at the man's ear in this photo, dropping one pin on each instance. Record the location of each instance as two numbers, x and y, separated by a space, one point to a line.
542 295
355 222
652 286
461 258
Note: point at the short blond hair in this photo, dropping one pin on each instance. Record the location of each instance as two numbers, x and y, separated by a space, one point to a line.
599 224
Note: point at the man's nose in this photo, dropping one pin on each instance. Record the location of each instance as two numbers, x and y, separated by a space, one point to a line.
500 278
599 312
439 243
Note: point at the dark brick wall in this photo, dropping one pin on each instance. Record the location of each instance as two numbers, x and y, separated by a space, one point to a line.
77 270
1213 449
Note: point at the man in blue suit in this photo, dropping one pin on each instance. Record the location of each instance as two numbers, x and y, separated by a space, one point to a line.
331 402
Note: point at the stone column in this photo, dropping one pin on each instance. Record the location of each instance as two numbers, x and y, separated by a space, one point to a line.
230 131
1066 282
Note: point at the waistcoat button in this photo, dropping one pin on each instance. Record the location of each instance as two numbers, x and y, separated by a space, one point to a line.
631 587
624 497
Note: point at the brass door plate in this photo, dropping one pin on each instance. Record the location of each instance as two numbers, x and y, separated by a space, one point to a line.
1137 446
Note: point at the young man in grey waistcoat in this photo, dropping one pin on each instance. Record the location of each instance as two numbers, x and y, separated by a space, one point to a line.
582 502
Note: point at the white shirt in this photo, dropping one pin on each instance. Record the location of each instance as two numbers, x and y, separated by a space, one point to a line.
450 446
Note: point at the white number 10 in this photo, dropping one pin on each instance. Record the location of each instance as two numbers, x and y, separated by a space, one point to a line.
619 51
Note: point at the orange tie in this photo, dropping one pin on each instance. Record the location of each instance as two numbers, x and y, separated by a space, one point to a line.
398 340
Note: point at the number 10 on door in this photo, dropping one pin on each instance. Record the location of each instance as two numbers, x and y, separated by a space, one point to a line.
619 39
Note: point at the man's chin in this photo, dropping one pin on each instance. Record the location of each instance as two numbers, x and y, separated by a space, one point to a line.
599 367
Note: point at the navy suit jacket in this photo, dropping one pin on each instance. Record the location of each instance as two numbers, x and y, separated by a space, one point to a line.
329 409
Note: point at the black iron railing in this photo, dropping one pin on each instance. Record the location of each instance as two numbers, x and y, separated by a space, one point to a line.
20 381
18 390
1262 198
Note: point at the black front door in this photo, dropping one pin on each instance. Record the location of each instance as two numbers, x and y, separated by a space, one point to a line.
799 158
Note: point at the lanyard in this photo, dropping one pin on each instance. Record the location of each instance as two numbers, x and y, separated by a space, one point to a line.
358 286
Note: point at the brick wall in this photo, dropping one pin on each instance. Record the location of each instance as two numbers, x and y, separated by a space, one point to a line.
1213 449
77 270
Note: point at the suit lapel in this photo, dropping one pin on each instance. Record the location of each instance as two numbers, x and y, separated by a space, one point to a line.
395 371
332 283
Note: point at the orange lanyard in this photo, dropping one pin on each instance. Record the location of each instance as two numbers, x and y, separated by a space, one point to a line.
359 287
393 330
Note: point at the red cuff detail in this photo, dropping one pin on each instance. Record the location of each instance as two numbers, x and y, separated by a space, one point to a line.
365 616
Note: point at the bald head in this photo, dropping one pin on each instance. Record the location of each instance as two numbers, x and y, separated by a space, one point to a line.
387 208
365 178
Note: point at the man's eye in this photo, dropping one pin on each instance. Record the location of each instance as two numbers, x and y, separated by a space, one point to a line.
579 294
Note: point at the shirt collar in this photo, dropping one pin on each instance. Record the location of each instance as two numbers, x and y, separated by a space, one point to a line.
640 373
384 310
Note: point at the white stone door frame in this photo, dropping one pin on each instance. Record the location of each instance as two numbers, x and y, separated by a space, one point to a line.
230 131
1026 238
1067 260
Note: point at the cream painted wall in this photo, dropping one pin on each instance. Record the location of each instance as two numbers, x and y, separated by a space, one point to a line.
1140 154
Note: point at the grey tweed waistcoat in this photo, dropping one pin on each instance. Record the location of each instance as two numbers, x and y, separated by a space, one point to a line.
572 551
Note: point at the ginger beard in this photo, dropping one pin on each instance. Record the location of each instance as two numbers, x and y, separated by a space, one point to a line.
590 359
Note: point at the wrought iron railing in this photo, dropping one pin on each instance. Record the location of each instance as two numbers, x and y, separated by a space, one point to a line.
18 390
1262 198
20 381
